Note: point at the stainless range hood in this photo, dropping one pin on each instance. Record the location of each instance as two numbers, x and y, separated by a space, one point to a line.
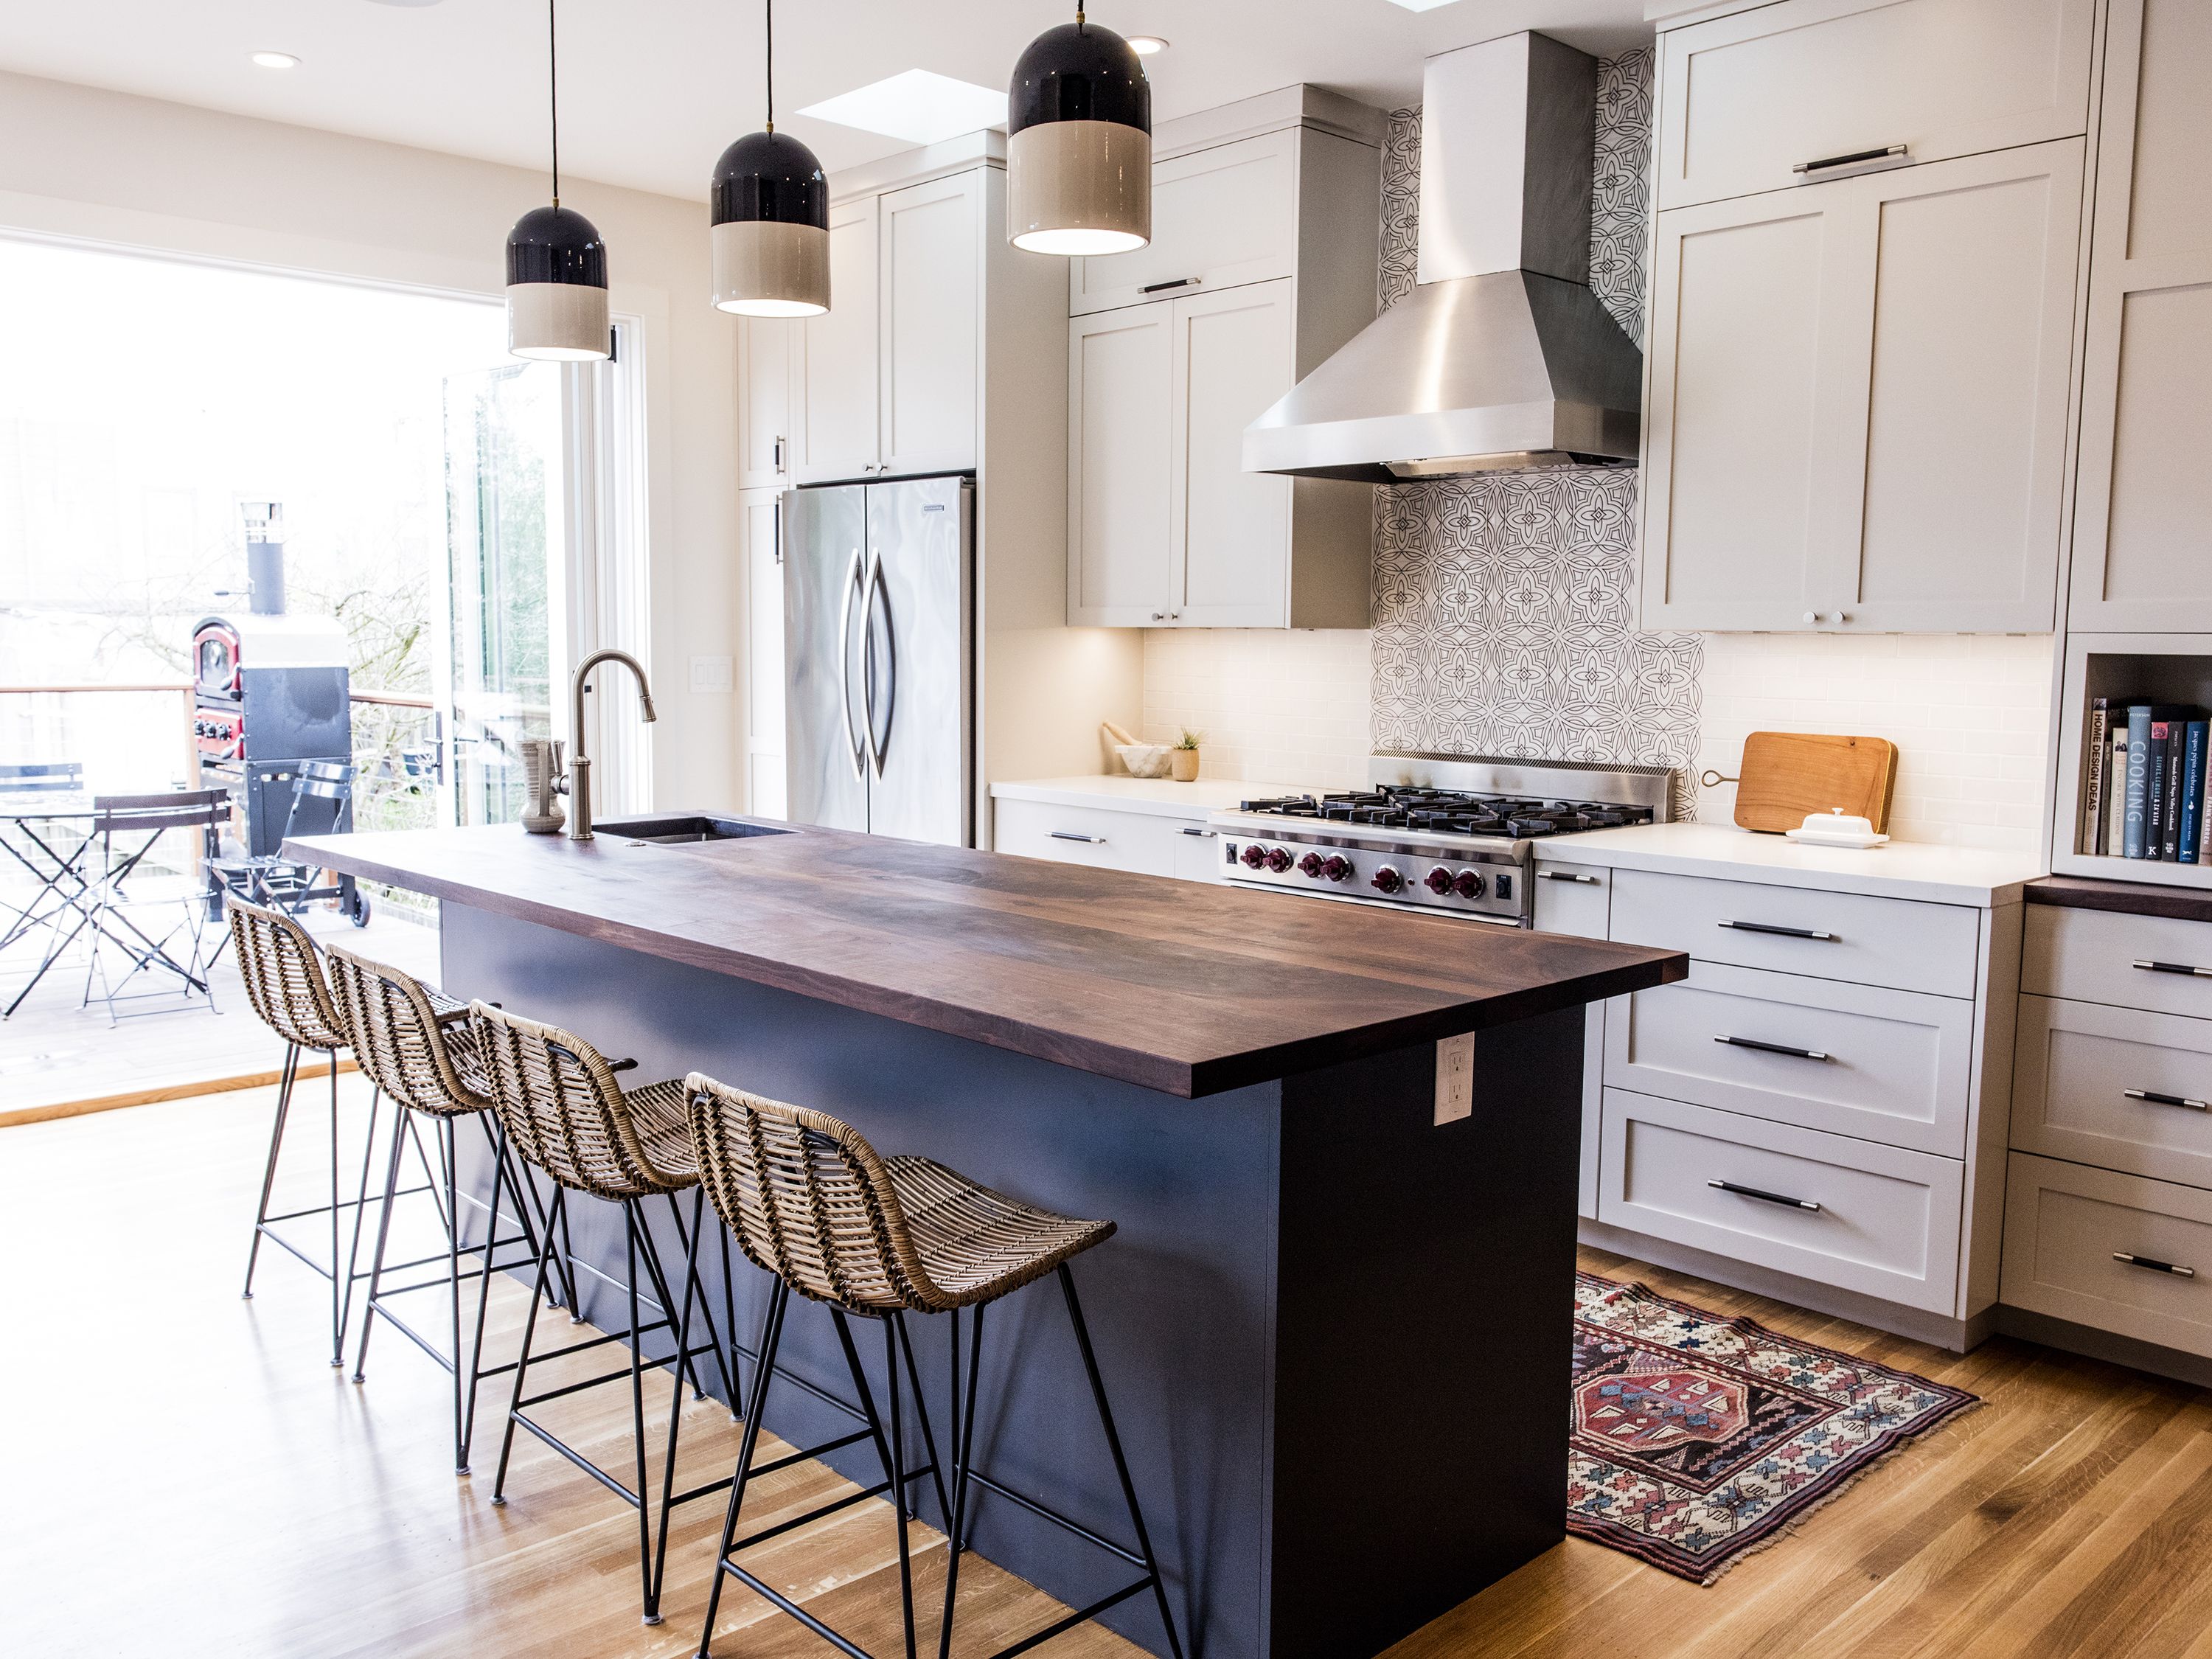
1501 358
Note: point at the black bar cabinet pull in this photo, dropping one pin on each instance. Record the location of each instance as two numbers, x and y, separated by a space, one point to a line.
1773 1048
1773 928
2158 1099
2154 1264
1179 281
2174 968
1764 1198
1073 835
1193 829
1567 875
1854 159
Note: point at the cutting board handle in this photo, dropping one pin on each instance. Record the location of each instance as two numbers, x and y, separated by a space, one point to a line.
1712 776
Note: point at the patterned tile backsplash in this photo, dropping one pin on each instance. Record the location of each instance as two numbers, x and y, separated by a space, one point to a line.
1505 607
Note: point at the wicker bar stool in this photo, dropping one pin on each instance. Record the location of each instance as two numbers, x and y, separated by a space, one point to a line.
416 1046
565 1114
284 984
810 1201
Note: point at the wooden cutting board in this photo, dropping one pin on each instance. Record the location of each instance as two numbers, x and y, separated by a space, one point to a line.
1788 774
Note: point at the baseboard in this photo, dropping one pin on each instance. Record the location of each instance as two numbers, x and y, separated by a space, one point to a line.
210 1085
1957 1335
2132 1352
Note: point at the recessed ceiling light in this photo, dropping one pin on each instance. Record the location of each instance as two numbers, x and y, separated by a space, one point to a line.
275 60
1145 45
919 106
1421 5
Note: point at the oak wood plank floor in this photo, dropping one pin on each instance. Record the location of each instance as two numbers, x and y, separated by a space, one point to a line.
212 1486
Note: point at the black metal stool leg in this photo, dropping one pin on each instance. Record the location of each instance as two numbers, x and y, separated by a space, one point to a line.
522 1359
632 1223
285 1078
963 1436
449 1155
1121 1462
756 1403
360 1197
922 1415
895 1473
383 1237
676 1393
338 1285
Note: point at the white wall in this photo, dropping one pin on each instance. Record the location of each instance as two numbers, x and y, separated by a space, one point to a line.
136 172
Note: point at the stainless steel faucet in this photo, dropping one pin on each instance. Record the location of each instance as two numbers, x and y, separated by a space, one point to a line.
579 764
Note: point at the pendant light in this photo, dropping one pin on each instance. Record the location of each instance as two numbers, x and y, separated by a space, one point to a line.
771 219
556 266
1079 144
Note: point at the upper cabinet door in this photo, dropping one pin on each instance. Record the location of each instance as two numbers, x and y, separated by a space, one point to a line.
1746 99
1220 216
931 303
2142 510
766 345
1230 528
836 377
1963 274
1749 377
1122 565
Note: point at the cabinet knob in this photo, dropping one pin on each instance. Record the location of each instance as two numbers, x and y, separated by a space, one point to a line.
1811 615
1159 616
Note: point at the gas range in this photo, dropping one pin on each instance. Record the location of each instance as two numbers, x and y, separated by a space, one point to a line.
1433 832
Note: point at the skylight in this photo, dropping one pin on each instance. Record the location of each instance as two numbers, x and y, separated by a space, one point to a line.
919 106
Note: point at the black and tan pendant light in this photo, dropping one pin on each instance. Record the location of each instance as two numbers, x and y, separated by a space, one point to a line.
556 266
771 218
1079 144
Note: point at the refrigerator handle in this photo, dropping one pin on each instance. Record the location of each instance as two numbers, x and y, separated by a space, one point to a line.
852 742
877 588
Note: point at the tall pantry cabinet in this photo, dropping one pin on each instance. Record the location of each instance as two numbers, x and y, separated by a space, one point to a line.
1863 335
942 351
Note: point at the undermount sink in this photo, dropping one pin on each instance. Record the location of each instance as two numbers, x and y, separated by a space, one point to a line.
683 829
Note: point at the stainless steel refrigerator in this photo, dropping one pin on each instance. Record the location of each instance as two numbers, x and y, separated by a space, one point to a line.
878 608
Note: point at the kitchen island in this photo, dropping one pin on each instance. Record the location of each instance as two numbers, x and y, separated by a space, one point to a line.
1335 1318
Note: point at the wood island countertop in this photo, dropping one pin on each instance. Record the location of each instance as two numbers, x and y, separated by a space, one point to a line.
1177 986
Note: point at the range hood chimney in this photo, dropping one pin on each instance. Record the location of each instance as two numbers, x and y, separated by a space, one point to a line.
1501 359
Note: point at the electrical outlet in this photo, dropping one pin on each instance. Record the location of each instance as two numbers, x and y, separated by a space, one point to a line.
712 674
1455 1078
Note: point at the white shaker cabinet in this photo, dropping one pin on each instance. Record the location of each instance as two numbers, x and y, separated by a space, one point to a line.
1221 215
2143 531
1857 404
761 546
767 349
1120 386
1757 101
931 271
835 381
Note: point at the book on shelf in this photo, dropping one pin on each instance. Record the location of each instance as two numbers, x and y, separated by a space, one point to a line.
2099 755
2190 791
2157 795
2115 793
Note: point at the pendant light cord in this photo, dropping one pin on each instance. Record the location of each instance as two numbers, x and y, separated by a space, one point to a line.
768 12
553 89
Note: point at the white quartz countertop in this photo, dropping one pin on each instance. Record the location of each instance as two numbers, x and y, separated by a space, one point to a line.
1899 869
1161 797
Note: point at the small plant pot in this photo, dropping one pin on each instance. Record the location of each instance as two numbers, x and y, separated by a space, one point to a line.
1183 765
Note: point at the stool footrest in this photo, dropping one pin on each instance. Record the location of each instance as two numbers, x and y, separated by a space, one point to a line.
611 1376
1047 1513
784 1462
1069 1621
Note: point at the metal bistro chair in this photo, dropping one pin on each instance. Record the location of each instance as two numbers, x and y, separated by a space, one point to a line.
121 894
812 1203
566 1114
322 805
28 791
416 1046
284 983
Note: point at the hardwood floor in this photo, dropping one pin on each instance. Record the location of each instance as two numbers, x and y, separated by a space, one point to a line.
185 1474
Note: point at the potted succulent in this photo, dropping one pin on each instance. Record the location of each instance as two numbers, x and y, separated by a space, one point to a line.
1183 759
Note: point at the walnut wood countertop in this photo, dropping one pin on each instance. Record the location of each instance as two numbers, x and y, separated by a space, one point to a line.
2140 898
1175 986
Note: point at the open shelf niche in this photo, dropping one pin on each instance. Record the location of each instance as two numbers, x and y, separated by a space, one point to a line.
2169 668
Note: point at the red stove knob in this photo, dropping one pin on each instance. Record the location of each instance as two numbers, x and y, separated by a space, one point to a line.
1438 881
1255 856
1387 880
1278 859
1469 884
1336 866
1311 866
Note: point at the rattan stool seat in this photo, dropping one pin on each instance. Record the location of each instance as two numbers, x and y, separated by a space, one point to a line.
976 1244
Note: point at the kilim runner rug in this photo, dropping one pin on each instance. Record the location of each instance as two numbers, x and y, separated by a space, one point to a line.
1696 1440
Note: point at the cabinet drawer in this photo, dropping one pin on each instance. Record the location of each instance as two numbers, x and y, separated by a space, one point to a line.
2092 956
1220 216
2114 1086
1883 1221
1572 898
1855 1060
1900 943
1745 99
1197 854
1086 835
2065 1229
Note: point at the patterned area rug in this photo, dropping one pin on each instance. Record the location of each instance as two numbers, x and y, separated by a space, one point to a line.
1696 1440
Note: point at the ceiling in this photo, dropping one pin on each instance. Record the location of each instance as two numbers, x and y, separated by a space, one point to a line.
652 89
